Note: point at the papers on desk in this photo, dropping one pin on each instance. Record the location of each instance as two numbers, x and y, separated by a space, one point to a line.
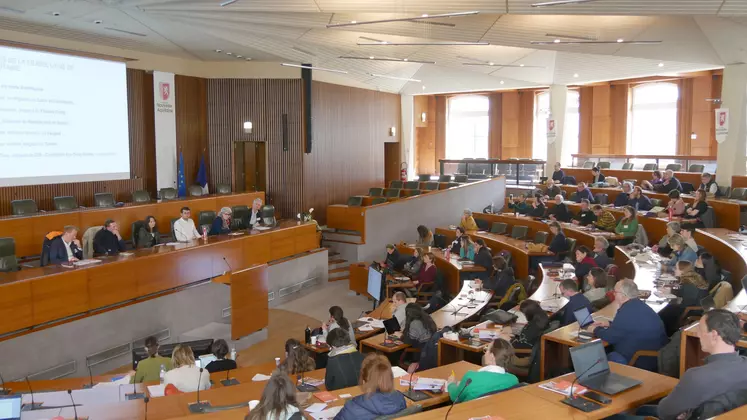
235 233
552 305
563 388
125 380
398 372
260 228
173 243
423 384
316 407
377 323
489 334
260 378
157 390
312 381
663 295
83 263
126 254
329 413
365 328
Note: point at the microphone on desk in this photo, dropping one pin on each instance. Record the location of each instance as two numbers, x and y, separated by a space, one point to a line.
304 387
199 407
146 400
414 395
466 384
232 381
33 405
3 391
90 377
135 395
75 410
572 397
227 264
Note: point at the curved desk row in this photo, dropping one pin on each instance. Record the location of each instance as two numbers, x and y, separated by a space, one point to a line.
584 175
29 231
32 299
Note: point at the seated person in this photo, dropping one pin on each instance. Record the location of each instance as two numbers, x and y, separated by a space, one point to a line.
636 327
586 216
428 270
680 252
66 247
399 301
622 198
343 363
692 289
254 218
538 207
220 350
222 223
601 245
502 278
605 220
676 205
418 329
393 260
412 266
656 180
336 321
724 372
148 235
467 248
537 322
584 262
108 240
596 284
149 369
559 212
708 268
297 359
184 227
557 173
709 185
492 377
551 190
687 232
583 192
596 175
628 225
519 205
468 222
694 213
559 245
278 400
185 375
456 245
638 201
483 258
425 237
669 183
379 397
663 246
576 301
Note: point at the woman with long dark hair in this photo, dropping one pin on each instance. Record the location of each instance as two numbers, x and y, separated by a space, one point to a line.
425 237
147 235
278 399
297 359
337 320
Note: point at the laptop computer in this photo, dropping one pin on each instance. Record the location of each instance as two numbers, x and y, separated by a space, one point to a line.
10 407
583 317
593 370
391 325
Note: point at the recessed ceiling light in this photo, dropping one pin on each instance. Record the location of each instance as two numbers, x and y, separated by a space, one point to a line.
423 87
98 21
353 21
556 41
620 40
229 53
501 81
575 74
405 59
521 65
425 15
492 64
248 59
371 57
661 64
239 56
56 13
218 51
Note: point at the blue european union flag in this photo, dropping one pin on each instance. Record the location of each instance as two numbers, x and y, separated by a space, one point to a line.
181 184
202 176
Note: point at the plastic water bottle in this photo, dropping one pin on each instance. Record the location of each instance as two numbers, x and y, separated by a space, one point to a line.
233 353
163 374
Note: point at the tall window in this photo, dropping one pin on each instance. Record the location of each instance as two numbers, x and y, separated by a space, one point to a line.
467 128
570 130
652 129
541 114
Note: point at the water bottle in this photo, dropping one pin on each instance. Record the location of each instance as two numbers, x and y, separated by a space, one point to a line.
308 335
163 374
233 353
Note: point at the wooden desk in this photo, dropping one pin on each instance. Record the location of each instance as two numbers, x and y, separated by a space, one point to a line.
53 293
451 268
29 231
639 175
738 414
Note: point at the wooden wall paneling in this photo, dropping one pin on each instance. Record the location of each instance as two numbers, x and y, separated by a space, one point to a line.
191 124
618 119
141 128
425 140
392 162
420 105
526 123
600 130
702 122
510 125
249 305
495 133
59 296
351 127
16 308
716 86
684 116
284 167
586 111
441 103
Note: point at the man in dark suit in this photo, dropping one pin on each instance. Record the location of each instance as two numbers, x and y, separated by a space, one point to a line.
254 218
576 301
596 175
108 241
66 247
559 212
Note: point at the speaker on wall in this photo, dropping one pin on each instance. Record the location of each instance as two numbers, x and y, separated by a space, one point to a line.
306 80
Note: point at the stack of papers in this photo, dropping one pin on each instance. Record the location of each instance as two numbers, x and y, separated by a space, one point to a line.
157 390
489 334
260 378
365 328
563 387
329 413
424 384
312 381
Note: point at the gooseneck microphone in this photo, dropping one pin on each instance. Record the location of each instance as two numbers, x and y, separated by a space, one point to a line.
3 390
75 410
33 405
199 407
572 395
466 384
414 395
90 377
135 395
146 400
227 264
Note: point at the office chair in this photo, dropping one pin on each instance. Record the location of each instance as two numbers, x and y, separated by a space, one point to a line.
412 185
223 189
65 203
354 201
375 192
267 212
444 178
194 190
650 167
103 200
8 260
627 166
168 194
141 196
673 167
519 232
21 207
696 167
499 228
424 177
396 185
431 186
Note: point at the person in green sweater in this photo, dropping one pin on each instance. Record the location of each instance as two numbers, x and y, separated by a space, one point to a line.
491 378
628 225
519 205
149 369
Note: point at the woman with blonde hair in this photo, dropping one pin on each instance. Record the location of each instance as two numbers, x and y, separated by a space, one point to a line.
185 375
222 222
379 397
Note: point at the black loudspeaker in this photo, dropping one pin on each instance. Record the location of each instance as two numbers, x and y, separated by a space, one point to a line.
284 124
306 80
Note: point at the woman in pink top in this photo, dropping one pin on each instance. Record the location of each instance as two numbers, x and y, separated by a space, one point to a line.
427 270
676 203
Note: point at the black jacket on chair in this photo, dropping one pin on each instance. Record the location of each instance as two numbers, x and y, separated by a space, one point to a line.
343 370
107 243
58 253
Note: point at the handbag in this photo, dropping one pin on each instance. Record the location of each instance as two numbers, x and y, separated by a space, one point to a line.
532 247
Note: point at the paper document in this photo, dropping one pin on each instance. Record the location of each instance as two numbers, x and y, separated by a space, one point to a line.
157 390
398 372
262 228
327 414
429 384
343 396
365 328
260 378
83 263
316 407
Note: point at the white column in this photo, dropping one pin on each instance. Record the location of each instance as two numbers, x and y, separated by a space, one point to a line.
558 105
731 153
407 140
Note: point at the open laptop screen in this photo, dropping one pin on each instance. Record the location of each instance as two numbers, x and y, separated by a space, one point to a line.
584 356
583 316
10 407
391 325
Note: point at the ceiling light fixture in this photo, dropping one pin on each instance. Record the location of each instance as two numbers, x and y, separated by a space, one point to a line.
56 13
556 41
98 21
502 82
427 22
248 59
575 74
560 2
229 53
396 60
218 51
661 64
619 41
313 68
420 44
239 56
384 76
227 2
580 37
370 39
503 65
409 19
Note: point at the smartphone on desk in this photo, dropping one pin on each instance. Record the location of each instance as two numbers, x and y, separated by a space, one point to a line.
594 396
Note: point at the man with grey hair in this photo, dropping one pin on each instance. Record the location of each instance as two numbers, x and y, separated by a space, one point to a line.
622 198
254 217
636 327
600 252
670 183
559 212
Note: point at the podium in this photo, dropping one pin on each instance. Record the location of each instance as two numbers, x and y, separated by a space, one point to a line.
249 305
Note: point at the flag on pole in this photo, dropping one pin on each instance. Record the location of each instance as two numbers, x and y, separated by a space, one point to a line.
202 176
182 186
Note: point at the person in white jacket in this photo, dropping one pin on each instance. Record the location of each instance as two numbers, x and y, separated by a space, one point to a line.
185 375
